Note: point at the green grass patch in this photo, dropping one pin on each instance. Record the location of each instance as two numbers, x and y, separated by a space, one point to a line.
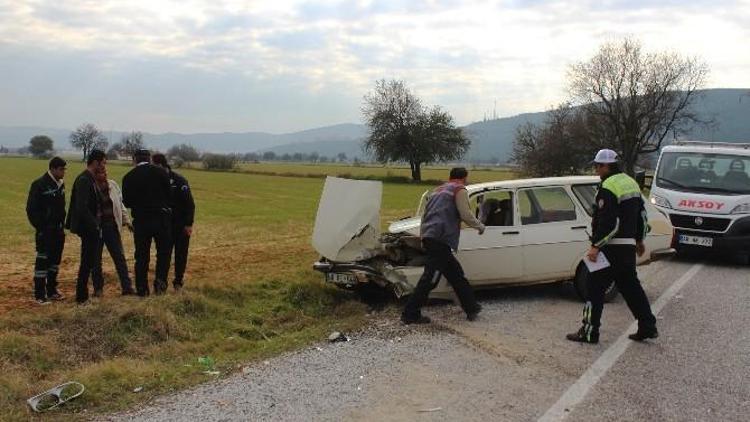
250 291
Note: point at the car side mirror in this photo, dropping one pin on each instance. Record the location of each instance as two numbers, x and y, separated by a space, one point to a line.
642 180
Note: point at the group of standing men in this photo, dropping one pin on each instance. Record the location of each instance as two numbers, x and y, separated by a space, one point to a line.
162 208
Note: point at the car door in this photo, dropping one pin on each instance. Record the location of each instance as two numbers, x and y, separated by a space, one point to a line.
494 257
554 232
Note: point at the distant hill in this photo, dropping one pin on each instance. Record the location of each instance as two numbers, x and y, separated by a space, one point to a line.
14 137
492 140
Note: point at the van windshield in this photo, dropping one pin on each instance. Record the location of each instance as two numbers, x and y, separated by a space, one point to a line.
719 174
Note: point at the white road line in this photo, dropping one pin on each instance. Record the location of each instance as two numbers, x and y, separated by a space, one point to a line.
578 391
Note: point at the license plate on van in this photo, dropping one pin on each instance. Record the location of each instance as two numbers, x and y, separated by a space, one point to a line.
341 278
696 240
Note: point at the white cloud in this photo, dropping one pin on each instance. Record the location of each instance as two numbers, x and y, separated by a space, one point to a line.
464 55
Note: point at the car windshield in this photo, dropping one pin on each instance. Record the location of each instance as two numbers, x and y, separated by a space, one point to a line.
720 174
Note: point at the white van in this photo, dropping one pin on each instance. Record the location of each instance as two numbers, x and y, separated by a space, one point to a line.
704 189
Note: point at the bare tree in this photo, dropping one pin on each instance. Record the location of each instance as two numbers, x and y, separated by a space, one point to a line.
185 152
402 129
131 142
636 99
88 137
560 146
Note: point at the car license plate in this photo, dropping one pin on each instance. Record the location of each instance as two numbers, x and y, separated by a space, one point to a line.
341 278
696 240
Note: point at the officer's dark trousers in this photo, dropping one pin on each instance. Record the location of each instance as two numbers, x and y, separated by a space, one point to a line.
181 245
113 241
91 265
49 247
440 262
147 228
622 270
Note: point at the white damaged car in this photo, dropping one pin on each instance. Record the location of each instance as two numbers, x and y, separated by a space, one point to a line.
537 232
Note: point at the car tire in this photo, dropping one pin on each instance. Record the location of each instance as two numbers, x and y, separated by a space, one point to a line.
373 295
581 281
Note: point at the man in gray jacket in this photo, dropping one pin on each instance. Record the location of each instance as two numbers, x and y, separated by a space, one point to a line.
447 207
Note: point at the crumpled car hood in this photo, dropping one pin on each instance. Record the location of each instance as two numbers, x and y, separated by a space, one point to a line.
347 227
407 225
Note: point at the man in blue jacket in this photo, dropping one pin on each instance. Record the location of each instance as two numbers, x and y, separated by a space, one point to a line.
447 207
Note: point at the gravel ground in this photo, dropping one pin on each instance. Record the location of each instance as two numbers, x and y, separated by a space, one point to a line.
699 368
512 364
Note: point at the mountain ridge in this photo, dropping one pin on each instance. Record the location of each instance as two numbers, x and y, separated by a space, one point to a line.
492 140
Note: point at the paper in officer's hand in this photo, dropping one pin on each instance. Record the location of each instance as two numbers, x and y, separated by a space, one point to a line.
600 263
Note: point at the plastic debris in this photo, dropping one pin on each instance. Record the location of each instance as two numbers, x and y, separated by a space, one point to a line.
57 396
434 409
207 362
212 373
137 389
337 337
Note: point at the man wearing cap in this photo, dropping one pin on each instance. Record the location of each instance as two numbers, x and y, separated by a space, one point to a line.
183 213
45 208
619 227
146 191
447 206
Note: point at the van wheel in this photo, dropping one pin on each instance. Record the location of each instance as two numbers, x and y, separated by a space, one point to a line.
580 283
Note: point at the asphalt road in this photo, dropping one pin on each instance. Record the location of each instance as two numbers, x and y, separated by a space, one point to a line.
513 364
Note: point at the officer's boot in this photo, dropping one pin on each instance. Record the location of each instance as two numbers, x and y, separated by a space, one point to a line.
587 333
644 333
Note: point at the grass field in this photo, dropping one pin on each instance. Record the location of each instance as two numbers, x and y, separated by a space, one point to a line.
250 293
430 174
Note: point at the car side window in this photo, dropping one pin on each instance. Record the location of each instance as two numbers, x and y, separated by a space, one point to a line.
587 195
545 205
494 208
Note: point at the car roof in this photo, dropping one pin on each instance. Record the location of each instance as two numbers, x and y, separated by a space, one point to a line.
538 182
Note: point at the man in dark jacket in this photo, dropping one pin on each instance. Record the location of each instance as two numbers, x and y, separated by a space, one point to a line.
84 219
447 207
45 209
183 213
619 227
146 191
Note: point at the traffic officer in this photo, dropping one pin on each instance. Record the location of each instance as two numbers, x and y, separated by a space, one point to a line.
619 227
146 191
183 213
45 208
447 206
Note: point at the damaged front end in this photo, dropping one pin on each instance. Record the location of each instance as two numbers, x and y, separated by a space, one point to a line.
354 252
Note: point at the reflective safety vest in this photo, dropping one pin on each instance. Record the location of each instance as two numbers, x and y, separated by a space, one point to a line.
622 186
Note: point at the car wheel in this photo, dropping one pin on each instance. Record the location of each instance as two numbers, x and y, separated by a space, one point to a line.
372 294
580 283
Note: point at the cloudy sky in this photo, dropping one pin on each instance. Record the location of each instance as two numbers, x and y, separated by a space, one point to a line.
285 65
